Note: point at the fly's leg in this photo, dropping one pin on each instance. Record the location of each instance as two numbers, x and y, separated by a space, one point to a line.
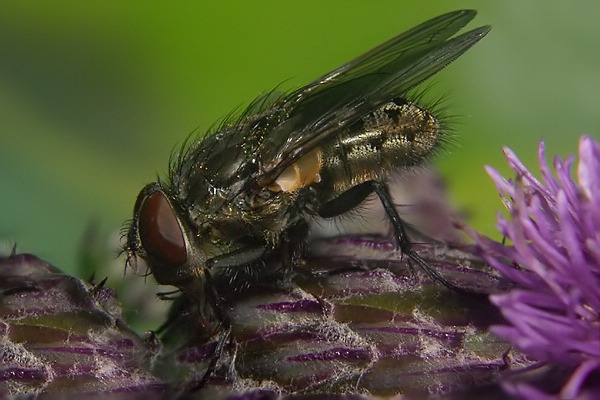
245 255
355 195
237 270
222 328
224 338
347 201
383 192
179 310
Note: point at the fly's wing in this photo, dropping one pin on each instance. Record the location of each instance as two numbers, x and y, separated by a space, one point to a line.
336 100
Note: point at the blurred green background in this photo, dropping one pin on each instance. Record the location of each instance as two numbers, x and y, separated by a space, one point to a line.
95 95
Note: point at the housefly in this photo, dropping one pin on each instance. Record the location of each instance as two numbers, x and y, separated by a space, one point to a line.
241 196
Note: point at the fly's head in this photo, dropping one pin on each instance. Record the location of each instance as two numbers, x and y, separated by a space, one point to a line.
180 240
162 236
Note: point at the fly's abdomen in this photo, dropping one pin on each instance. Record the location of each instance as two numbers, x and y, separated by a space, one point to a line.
397 134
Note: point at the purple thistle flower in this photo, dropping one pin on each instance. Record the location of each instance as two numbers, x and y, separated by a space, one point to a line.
554 313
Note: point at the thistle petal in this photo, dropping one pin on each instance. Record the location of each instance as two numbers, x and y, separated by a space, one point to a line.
554 230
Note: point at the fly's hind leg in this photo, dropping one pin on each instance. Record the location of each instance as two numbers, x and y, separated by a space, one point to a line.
356 195
345 202
383 192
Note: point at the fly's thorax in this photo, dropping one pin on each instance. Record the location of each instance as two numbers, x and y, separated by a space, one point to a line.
398 134
257 216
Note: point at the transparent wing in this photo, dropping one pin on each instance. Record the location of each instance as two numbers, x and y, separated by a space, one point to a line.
341 97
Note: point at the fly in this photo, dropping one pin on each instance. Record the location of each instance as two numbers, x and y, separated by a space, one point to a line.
240 197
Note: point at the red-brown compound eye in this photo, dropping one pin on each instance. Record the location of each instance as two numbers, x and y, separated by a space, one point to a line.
160 232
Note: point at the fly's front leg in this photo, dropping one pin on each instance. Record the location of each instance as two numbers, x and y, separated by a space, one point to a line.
225 337
222 329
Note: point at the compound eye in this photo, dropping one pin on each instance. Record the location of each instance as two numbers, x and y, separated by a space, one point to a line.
160 232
